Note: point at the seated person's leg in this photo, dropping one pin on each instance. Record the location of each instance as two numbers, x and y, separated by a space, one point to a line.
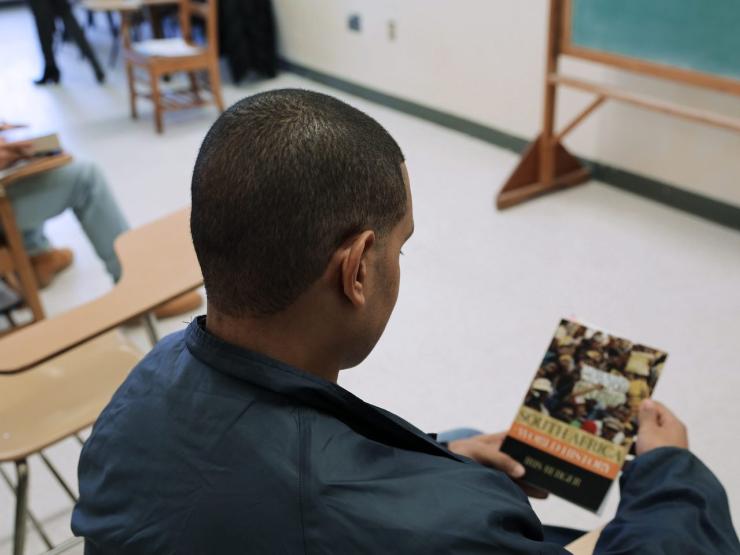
98 214
35 240
80 186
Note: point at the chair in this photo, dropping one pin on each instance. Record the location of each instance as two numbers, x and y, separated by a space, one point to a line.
160 57
15 265
148 280
53 401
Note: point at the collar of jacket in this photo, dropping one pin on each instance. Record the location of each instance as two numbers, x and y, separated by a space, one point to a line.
306 389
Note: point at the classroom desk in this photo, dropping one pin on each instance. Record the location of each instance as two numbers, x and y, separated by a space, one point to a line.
158 263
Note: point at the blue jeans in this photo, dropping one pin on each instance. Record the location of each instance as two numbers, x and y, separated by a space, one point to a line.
80 186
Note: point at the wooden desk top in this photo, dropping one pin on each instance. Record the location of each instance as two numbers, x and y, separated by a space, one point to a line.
159 264
32 167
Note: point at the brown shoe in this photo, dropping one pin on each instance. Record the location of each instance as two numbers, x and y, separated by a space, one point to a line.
49 263
179 305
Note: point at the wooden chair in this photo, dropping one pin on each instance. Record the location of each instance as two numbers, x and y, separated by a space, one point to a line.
53 401
160 57
14 262
15 265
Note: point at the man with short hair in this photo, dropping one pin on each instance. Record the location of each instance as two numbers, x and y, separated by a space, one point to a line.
233 436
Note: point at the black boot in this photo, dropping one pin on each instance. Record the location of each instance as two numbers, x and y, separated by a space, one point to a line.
99 74
51 75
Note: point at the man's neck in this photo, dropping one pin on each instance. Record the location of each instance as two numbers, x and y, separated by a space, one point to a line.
283 337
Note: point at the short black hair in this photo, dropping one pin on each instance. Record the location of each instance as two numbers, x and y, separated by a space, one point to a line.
281 180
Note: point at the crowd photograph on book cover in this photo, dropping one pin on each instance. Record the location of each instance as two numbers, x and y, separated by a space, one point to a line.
579 418
595 381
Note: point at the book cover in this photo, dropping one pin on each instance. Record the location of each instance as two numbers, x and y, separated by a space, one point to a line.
578 421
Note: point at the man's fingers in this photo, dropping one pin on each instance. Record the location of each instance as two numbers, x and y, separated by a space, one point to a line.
648 415
659 427
22 147
656 414
496 438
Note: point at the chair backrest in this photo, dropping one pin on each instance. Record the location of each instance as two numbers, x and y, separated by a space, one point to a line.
207 11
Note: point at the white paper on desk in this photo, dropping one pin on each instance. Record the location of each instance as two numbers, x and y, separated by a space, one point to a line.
40 142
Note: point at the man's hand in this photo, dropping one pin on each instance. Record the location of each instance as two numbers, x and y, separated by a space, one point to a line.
486 450
11 153
659 427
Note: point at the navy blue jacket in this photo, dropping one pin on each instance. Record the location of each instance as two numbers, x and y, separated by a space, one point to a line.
208 448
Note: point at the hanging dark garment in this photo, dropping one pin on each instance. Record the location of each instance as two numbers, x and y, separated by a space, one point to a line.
247 37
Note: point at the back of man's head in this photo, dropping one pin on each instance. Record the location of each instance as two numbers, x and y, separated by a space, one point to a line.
281 180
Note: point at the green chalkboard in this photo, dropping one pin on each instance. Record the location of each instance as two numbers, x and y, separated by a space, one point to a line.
697 35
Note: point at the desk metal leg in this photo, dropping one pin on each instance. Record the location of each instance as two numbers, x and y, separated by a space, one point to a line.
22 512
150 325
21 507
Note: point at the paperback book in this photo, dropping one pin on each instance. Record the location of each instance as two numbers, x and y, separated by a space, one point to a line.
578 422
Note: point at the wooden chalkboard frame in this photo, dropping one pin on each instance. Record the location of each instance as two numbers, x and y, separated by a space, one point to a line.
690 77
546 165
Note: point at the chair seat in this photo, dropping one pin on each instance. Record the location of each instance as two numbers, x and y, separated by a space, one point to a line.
166 48
45 404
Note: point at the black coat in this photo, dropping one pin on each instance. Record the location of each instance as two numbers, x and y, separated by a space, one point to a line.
208 448
247 37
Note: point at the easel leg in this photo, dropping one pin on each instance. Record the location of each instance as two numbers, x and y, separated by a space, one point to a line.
545 165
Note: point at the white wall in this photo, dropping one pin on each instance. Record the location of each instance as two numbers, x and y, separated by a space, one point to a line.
484 59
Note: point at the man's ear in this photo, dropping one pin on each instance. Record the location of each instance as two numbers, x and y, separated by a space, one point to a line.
353 265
